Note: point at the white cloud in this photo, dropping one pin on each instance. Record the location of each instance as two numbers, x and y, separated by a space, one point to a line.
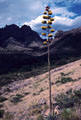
63 12
34 22
63 20
63 23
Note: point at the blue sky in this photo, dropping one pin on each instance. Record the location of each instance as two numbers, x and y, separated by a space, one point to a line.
67 13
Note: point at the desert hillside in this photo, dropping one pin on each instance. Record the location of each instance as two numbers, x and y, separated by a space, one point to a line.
27 99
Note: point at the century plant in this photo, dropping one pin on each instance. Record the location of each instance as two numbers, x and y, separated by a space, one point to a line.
48 34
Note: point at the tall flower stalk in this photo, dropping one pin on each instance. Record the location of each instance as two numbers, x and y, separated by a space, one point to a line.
48 33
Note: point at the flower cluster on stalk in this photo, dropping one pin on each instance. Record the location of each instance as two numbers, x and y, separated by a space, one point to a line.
48 30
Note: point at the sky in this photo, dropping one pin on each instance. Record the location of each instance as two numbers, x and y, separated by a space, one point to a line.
67 13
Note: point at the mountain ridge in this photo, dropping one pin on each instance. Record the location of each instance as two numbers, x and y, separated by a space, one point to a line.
21 46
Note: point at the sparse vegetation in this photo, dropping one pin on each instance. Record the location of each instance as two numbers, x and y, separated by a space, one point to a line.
8 116
68 100
65 80
69 114
17 98
40 117
36 93
26 93
2 99
65 74
41 90
1 105
2 113
64 101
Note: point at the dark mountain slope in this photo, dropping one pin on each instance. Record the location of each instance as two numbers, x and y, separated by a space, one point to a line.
22 47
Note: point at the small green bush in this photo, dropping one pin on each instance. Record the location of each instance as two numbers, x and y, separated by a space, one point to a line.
77 93
2 113
65 80
8 116
41 90
50 117
1 105
68 114
40 117
17 98
2 99
64 101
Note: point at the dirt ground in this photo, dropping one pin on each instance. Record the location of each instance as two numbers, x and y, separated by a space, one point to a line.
37 87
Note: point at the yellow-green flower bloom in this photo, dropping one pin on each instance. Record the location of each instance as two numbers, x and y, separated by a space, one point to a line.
50 12
52 19
49 26
45 12
46 17
50 35
47 40
44 22
44 34
49 22
52 30
45 43
44 27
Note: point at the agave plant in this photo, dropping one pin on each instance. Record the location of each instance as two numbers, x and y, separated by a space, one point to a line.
48 33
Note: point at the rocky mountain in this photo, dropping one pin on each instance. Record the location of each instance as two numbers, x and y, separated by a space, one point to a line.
22 47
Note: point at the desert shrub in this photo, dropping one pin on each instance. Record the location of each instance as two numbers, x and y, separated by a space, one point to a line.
64 101
2 99
40 117
62 74
65 80
77 93
36 110
69 114
1 105
65 74
2 113
46 107
8 116
69 99
26 93
17 98
50 117
41 90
